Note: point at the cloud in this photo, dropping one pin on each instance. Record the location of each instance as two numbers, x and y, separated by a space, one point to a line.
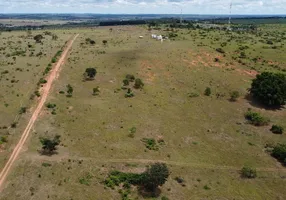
144 6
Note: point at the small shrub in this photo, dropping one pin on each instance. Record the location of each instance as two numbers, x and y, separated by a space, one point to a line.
125 82
132 131
220 50
42 81
85 180
234 95
129 93
130 77
104 42
3 139
150 144
50 105
256 119
37 93
248 172
206 187
138 83
208 91
277 129
22 110
193 94
95 91
164 198
69 90
46 164
14 125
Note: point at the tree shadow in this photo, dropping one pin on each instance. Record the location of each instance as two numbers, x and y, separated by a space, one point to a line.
255 103
47 153
149 193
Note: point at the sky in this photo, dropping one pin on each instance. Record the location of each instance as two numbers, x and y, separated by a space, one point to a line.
144 6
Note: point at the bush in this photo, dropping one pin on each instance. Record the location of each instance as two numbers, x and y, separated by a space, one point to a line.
234 95
277 129
3 139
129 93
256 119
37 93
95 91
54 60
69 90
130 77
279 152
50 105
269 88
125 82
104 42
22 110
150 144
208 91
248 172
138 83
220 50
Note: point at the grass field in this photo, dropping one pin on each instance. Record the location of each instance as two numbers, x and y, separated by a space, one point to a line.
22 63
206 138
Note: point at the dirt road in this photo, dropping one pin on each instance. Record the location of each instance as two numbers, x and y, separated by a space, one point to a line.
44 95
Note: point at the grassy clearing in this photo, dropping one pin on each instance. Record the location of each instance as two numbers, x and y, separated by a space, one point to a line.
207 137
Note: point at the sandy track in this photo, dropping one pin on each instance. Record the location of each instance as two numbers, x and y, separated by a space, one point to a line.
44 95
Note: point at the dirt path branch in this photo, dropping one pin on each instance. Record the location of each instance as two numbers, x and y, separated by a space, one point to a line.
25 134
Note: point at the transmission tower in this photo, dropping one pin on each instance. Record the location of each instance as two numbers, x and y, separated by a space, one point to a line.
229 18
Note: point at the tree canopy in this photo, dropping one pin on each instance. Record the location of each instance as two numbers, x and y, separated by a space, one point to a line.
90 73
49 146
269 88
155 176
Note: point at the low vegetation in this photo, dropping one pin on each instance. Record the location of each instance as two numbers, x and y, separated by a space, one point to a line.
279 152
248 172
256 118
277 129
153 177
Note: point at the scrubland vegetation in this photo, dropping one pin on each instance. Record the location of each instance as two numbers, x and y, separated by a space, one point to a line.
199 116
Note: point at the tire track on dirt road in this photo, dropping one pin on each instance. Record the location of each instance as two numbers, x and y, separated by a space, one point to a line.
45 93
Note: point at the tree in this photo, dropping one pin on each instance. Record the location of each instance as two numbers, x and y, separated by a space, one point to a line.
49 146
155 176
138 83
38 38
90 73
69 90
54 37
208 91
269 88
279 152
104 42
130 77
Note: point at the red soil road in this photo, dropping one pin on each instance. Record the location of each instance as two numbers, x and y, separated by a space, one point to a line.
45 93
